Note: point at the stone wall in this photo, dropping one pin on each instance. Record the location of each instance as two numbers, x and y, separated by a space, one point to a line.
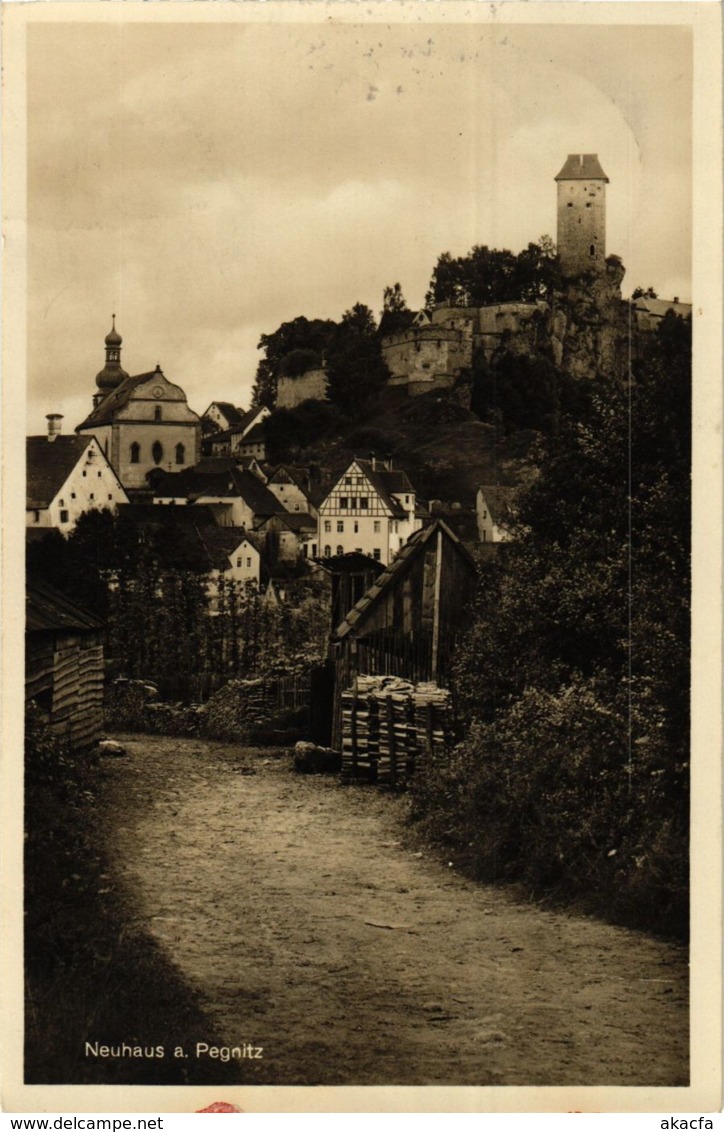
309 386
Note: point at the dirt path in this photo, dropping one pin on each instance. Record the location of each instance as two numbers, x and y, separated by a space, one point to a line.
295 910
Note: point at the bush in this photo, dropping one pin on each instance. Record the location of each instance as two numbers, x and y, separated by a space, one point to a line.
547 795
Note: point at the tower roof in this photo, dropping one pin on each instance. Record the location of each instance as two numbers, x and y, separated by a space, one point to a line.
582 167
113 338
111 376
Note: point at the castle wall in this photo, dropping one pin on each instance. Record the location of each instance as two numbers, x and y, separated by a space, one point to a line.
427 357
309 386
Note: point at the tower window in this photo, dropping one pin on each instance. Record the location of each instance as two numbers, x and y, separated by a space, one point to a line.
157 452
570 204
588 204
157 413
180 454
135 452
592 250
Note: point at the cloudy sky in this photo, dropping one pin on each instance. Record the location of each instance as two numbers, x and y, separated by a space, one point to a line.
208 181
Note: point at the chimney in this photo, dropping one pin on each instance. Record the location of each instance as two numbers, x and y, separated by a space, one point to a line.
373 461
676 298
54 425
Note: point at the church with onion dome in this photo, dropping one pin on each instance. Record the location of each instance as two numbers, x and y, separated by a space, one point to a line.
142 423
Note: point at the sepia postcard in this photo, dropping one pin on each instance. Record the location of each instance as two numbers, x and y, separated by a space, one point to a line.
362 529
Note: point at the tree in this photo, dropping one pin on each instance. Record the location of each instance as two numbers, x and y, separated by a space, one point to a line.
299 334
576 668
356 368
644 293
486 276
393 300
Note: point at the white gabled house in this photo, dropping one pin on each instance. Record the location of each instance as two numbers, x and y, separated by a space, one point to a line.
493 505
67 476
370 510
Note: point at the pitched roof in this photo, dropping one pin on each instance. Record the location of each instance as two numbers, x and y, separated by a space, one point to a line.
231 483
49 463
385 483
398 566
582 167
158 514
499 500
47 608
221 542
105 412
294 520
659 307
255 435
232 414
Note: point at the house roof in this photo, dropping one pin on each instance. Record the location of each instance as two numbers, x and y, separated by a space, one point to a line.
232 414
157 514
255 435
659 307
221 542
582 167
498 499
385 483
295 520
49 463
47 608
400 563
230 483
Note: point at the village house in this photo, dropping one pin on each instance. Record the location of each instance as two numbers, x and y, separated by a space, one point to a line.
649 312
236 497
296 489
370 510
233 554
288 536
142 423
222 415
67 476
232 441
493 507
252 443
64 668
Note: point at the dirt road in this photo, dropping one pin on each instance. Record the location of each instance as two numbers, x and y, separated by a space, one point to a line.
310 929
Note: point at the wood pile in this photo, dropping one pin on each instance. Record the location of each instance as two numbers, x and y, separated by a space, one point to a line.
389 725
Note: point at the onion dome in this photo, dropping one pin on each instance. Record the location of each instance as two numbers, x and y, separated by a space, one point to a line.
111 376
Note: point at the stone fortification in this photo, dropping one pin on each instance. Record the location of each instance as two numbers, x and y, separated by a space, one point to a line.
309 386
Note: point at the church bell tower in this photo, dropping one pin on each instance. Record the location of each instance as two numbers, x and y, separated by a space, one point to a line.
111 376
582 215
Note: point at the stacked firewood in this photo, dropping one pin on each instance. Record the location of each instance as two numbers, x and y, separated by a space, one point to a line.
389 725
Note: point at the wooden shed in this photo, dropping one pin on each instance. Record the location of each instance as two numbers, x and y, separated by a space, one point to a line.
64 664
410 620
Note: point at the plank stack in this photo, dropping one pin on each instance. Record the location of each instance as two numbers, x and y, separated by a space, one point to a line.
389 725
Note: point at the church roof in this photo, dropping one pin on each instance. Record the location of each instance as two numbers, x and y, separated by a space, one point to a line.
48 464
582 167
105 412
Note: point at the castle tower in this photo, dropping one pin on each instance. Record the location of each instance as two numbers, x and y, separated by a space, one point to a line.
111 376
582 214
